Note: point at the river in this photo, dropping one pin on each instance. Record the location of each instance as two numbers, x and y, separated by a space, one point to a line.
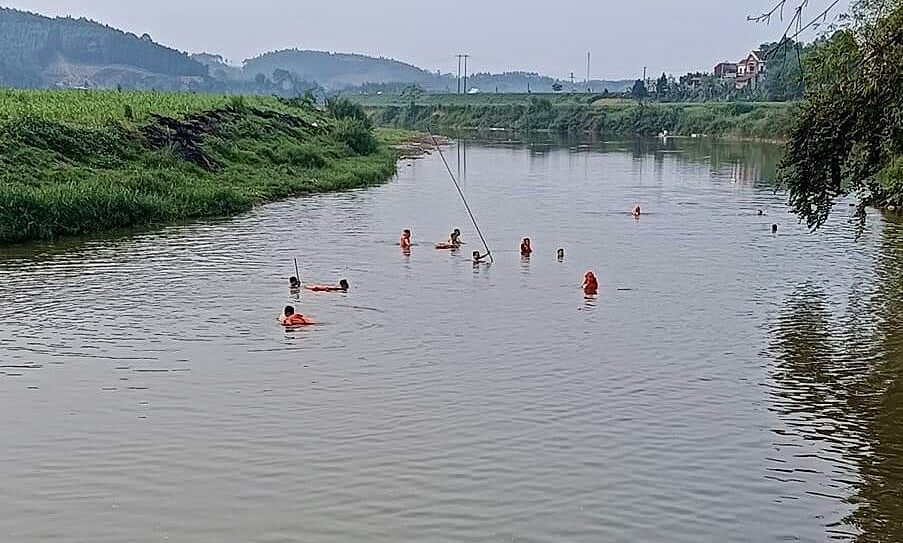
727 384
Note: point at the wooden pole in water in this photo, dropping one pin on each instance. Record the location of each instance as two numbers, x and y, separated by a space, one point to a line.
298 275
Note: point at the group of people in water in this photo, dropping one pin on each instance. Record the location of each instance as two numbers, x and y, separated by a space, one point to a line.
590 286
290 318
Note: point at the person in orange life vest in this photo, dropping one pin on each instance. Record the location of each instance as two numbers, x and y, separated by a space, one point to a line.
290 318
341 287
590 284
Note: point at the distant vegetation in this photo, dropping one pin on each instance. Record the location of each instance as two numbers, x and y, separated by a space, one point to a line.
74 162
578 113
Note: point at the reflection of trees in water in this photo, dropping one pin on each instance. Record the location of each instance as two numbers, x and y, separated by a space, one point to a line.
838 383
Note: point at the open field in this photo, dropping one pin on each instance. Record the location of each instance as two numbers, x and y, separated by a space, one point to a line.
73 162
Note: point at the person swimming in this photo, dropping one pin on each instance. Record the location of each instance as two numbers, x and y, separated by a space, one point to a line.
290 318
405 240
760 213
455 238
637 211
294 283
343 286
478 258
560 255
590 284
774 229
526 248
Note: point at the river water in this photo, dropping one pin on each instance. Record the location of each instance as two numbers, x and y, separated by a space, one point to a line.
726 385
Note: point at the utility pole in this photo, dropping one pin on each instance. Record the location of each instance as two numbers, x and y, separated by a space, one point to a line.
465 72
644 75
587 72
459 73
572 82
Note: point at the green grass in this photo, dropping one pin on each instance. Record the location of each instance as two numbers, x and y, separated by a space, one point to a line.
482 99
74 162
582 113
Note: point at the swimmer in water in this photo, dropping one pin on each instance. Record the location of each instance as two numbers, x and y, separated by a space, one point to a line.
637 211
774 229
290 318
590 284
343 286
294 283
405 240
455 238
478 258
560 255
760 213
526 248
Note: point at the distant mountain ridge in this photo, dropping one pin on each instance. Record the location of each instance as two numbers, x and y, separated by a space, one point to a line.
336 71
40 52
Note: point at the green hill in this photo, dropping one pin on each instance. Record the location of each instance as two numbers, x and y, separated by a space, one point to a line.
38 51
337 70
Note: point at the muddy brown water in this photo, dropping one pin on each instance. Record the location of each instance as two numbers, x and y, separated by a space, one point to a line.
726 385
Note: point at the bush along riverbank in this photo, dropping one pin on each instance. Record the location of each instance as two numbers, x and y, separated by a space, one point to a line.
76 162
606 118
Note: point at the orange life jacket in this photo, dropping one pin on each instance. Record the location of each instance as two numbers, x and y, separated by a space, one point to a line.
324 288
295 320
590 285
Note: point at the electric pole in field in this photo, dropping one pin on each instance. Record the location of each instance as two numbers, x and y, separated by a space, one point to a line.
459 72
465 72
644 75
588 89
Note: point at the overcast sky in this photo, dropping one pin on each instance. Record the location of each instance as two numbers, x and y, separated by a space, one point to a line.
548 36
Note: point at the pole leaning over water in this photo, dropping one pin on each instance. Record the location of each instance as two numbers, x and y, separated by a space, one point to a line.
461 193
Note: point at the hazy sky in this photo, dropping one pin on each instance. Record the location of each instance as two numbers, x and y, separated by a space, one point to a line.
548 36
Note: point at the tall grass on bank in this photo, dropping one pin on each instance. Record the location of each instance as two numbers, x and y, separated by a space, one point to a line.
71 169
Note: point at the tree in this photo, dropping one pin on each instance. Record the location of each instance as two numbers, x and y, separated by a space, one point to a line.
662 87
639 90
847 137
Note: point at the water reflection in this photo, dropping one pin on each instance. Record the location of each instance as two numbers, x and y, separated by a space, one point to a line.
838 383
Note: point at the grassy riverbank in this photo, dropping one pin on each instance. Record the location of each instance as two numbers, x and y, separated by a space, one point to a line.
75 162
582 114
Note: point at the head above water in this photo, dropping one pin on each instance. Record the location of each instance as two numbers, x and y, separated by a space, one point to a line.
560 253
294 281
289 311
526 241
406 233
760 212
774 229
344 284
476 255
